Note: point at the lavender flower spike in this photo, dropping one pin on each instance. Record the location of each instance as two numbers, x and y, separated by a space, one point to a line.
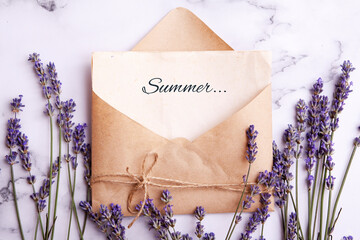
251 151
16 104
301 118
199 213
79 137
342 90
292 226
56 84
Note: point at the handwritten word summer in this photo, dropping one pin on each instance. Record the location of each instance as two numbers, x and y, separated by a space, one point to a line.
155 85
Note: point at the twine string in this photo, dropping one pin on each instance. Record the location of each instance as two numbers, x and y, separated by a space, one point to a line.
143 181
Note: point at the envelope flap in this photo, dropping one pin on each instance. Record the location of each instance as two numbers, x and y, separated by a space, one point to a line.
181 30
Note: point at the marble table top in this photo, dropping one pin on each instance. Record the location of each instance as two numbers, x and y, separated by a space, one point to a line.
308 40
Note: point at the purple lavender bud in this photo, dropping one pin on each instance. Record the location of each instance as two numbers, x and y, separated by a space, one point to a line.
11 158
199 213
254 221
265 198
58 103
254 190
44 189
118 232
301 118
357 142
116 213
162 234
263 214
31 179
186 237
330 181
209 236
329 164
35 197
78 137
60 120
86 206
318 87
154 223
105 213
309 181
251 151
13 132
56 84
245 236
67 132
69 158
342 89
168 211
238 219
41 204
69 106
86 151
16 104
39 69
292 226
199 230
166 197
247 202
175 235
262 177
47 92
49 110
34 57
347 238
26 162
74 163
23 143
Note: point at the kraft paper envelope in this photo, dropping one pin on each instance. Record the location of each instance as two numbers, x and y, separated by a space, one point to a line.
199 138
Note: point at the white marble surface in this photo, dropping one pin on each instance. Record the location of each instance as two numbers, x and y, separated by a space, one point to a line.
308 39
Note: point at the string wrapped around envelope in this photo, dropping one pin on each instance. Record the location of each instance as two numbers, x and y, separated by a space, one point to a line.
143 181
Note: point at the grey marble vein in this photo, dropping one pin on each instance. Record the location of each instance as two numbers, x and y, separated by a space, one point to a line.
287 61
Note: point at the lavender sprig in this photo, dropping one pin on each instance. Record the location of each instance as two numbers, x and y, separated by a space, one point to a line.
78 138
292 227
47 91
13 133
56 90
108 220
251 152
86 151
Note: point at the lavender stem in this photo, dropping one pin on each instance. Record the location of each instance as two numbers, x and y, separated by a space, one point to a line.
295 208
71 208
318 200
341 188
58 181
15 201
228 235
51 172
329 210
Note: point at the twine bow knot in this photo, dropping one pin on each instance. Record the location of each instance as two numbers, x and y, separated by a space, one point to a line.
142 183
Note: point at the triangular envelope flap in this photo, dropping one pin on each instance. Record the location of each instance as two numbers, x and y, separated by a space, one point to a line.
181 30
235 77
